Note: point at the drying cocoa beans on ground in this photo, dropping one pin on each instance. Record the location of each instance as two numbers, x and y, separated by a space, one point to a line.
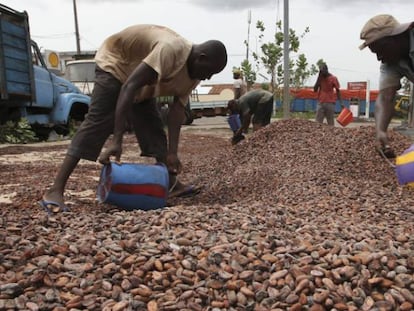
298 216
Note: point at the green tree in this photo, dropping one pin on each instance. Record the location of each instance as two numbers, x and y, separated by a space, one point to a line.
303 71
248 73
270 58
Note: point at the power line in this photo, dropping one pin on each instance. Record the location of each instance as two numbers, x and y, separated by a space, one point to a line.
350 70
54 36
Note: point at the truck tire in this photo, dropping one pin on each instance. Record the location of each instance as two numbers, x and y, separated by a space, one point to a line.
42 133
62 129
75 119
70 127
189 118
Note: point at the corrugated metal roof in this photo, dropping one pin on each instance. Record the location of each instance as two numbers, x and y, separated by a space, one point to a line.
216 89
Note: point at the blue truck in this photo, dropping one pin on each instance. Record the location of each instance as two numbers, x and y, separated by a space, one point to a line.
28 89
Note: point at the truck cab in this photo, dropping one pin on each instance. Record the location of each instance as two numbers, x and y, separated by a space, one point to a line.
402 106
28 89
82 74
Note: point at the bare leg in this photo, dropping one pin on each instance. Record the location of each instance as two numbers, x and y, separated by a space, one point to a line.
384 110
330 111
319 113
56 191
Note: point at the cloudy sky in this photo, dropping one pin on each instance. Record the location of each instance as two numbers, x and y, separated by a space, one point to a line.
334 26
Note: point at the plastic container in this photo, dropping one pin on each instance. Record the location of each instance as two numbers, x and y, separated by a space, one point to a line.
404 167
234 122
132 186
345 117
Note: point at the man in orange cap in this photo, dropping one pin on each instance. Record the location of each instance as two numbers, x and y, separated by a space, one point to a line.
393 43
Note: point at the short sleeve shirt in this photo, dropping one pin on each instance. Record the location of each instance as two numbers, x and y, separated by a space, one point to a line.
391 75
160 48
327 92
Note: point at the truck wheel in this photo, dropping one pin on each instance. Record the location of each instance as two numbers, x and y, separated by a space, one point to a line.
42 133
68 128
62 129
189 118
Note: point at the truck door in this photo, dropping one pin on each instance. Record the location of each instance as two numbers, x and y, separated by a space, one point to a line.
43 81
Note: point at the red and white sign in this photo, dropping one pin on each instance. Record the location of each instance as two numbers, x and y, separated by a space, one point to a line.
354 86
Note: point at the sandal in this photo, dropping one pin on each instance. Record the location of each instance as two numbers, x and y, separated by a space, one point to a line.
52 207
185 192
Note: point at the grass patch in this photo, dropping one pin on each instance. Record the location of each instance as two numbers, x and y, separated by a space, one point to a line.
17 132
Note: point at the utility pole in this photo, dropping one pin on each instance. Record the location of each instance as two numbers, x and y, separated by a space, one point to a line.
286 77
367 99
75 13
249 20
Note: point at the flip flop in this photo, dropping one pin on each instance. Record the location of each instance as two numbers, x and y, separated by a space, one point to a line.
188 191
52 207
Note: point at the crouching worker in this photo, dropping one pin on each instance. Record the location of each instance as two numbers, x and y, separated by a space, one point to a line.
133 68
256 107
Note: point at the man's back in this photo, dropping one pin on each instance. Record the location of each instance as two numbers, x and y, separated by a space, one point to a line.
250 100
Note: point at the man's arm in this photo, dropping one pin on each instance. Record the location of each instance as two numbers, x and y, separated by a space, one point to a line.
317 83
384 110
141 76
245 124
176 116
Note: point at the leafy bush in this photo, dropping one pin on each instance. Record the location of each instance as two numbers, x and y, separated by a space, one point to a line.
19 132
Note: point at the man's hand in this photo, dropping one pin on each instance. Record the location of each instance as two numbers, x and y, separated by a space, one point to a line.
173 164
114 149
382 138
